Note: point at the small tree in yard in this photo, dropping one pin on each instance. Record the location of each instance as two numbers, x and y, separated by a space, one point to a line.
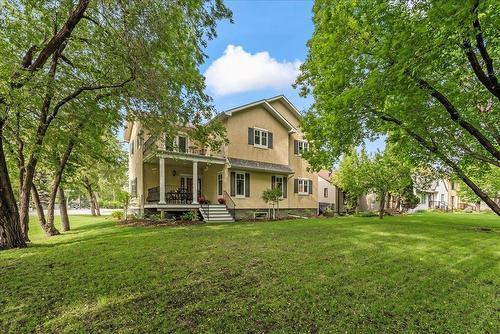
273 196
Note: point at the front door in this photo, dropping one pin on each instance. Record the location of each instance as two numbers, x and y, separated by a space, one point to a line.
187 184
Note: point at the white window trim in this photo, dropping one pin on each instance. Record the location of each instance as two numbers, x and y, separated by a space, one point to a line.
236 184
284 180
267 138
302 192
305 143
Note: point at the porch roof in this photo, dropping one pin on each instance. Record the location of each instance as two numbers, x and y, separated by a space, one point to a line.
259 166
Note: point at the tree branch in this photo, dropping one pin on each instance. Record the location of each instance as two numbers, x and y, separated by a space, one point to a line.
60 37
79 91
455 117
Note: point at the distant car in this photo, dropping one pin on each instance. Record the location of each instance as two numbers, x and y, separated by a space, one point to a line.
74 206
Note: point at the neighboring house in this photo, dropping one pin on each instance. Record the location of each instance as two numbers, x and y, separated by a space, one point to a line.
329 196
263 151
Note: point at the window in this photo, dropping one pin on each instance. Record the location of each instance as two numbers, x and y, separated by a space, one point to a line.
303 186
301 146
260 138
219 184
180 144
279 182
442 197
422 198
240 184
325 192
132 147
452 185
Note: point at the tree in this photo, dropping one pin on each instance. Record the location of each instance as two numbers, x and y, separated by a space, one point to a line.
54 55
490 182
422 71
349 177
273 196
383 173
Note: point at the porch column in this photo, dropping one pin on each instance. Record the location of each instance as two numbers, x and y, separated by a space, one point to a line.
162 181
195 182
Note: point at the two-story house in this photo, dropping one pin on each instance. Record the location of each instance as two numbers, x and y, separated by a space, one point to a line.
263 151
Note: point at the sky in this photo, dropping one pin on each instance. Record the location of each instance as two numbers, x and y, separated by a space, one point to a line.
258 56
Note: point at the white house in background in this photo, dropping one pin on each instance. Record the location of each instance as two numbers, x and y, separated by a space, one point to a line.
329 196
436 195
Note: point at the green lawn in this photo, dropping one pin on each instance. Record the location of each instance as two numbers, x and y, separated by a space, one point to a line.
421 273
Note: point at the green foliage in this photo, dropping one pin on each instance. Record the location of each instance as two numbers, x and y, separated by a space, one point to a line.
366 214
273 195
378 68
117 215
189 216
489 182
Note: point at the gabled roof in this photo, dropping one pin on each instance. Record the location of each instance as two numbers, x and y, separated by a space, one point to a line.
325 175
267 106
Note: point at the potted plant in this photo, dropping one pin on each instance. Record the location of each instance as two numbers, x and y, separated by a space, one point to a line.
221 201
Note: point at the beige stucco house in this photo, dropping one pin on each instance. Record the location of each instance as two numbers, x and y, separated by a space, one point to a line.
263 151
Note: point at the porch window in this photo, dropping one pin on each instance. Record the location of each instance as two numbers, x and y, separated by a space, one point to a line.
219 184
240 184
260 138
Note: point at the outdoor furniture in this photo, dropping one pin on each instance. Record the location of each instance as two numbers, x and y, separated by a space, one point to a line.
260 214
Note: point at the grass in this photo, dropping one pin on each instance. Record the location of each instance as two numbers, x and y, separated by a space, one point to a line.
421 273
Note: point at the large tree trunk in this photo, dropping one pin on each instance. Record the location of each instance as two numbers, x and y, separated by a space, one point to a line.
11 235
382 206
57 181
49 229
96 203
63 210
88 186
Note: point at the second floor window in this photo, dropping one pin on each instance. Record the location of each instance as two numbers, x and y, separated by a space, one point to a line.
325 192
181 144
301 146
132 148
260 138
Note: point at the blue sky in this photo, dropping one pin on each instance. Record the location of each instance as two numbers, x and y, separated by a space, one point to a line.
280 28
258 55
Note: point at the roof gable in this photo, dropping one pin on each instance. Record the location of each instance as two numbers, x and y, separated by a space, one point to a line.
268 107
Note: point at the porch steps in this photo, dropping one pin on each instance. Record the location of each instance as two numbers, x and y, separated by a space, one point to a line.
216 213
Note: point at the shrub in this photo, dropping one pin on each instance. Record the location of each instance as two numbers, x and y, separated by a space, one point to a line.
328 212
221 201
421 211
189 216
117 215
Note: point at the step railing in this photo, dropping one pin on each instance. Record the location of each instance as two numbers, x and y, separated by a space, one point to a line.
230 205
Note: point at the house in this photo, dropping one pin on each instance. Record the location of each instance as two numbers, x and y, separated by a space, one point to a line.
263 151
329 196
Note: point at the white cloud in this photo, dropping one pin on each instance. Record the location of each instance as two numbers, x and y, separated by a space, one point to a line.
239 71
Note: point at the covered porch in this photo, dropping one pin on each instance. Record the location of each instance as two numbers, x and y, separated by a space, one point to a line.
177 181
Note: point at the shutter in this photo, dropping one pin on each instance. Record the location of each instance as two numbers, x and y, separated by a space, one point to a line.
247 185
285 186
250 136
270 140
296 147
273 181
295 186
310 186
233 183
